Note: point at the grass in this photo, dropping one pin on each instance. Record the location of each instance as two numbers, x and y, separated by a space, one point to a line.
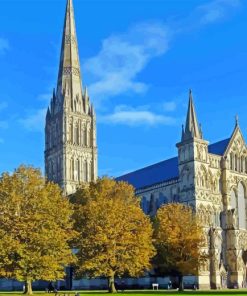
139 293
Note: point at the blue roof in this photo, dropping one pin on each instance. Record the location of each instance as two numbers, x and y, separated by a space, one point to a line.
165 170
153 174
219 148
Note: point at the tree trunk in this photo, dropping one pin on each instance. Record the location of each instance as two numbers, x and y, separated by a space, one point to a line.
111 284
28 287
181 282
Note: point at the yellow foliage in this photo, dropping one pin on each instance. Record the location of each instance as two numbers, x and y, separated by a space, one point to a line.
179 240
35 227
115 234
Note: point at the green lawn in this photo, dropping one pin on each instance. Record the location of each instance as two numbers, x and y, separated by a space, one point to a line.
139 293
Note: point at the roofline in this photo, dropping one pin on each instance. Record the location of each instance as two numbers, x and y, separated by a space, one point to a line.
146 167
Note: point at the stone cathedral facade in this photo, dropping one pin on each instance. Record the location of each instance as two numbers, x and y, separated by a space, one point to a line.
210 178
70 129
213 180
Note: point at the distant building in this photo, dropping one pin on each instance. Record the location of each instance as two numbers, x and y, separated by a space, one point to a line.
70 129
213 180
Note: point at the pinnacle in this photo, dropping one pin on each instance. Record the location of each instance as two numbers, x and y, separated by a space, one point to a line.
192 129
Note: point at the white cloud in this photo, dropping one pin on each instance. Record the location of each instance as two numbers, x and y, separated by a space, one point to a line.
170 106
4 45
114 69
216 10
35 122
135 117
123 56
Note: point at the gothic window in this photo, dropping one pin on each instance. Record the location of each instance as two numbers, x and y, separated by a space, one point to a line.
162 200
153 205
78 170
58 167
231 161
236 162
85 171
77 136
89 171
72 169
242 164
241 206
88 138
85 136
71 133
144 205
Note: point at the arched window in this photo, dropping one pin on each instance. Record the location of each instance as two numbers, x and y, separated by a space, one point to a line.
58 167
236 162
88 138
144 205
231 161
233 202
89 171
77 136
72 169
85 171
78 170
85 136
241 206
242 164
71 133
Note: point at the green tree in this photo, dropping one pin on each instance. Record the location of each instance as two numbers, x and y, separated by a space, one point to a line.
179 241
35 228
115 235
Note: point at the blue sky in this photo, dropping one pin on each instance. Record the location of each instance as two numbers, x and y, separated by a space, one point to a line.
139 58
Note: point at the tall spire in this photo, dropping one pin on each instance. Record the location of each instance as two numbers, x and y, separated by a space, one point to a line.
192 129
69 75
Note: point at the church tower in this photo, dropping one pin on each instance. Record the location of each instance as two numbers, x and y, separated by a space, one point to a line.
192 155
193 159
70 129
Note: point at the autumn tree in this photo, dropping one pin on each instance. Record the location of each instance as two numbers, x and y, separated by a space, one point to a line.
35 228
115 235
179 241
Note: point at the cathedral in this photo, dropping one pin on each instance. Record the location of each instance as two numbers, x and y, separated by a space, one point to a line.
213 180
70 129
210 178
